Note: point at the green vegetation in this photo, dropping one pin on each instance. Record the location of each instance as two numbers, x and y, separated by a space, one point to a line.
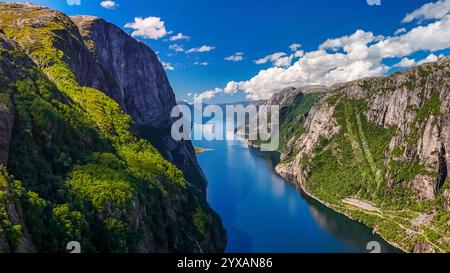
200 220
292 126
11 231
358 169
431 108
357 163
82 168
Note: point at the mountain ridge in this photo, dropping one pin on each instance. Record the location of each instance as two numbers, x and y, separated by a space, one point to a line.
88 171
382 141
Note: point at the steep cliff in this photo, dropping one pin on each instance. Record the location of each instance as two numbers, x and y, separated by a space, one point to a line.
138 82
87 171
377 149
13 232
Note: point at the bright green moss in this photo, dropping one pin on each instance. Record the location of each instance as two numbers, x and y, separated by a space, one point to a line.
200 220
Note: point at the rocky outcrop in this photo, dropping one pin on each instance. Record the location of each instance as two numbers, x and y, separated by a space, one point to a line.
321 124
56 132
411 110
133 68
137 81
6 123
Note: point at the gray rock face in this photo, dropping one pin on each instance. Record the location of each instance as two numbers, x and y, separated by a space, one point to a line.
138 82
6 112
6 124
396 106
287 96
12 207
415 105
133 69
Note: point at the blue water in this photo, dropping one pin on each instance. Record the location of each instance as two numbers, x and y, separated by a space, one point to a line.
264 213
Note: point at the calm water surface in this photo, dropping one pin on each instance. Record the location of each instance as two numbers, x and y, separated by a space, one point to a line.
264 213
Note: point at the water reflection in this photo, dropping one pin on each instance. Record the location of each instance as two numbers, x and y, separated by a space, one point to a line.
264 213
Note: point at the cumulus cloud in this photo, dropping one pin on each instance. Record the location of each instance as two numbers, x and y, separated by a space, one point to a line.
374 2
299 53
405 62
433 37
167 66
201 63
176 48
400 31
281 59
73 2
436 10
204 48
150 27
209 94
179 36
346 58
430 58
236 57
295 47
109 4
272 58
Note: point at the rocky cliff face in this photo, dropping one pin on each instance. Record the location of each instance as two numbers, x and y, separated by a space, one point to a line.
138 82
6 122
78 125
383 141
13 232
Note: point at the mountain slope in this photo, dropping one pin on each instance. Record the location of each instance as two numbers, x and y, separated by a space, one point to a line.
86 171
377 149
138 82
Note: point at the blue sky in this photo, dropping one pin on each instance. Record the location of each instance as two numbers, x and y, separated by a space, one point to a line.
259 28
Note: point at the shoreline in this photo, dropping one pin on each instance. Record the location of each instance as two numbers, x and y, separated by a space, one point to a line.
303 190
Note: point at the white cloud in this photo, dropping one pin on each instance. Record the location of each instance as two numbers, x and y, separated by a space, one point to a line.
358 38
179 36
167 66
295 47
73 2
209 94
109 4
176 47
204 48
272 58
283 61
436 10
374 2
299 53
405 62
429 58
201 63
433 37
400 31
343 59
232 87
236 57
150 27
